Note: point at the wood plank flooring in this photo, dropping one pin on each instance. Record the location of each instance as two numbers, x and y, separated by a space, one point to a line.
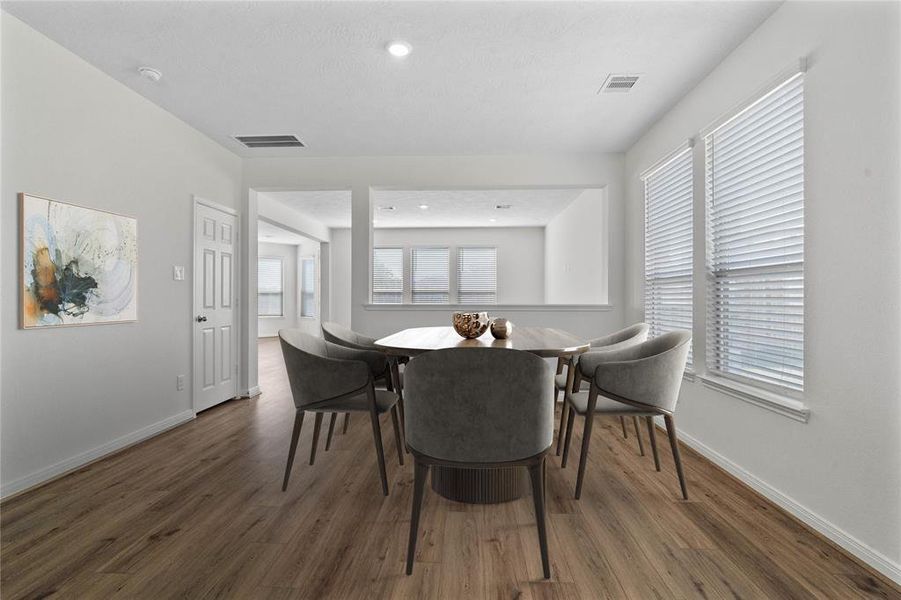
198 512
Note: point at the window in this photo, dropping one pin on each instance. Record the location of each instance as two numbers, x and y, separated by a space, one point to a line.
477 275
755 198
387 275
308 286
668 246
269 287
430 281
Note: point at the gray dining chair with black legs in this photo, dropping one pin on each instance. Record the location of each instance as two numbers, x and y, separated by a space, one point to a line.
624 338
387 375
479 408
642 381
328 378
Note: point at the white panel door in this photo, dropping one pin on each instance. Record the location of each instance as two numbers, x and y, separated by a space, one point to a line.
215 341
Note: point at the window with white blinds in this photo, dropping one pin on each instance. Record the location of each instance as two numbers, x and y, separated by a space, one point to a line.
430 275
755 198
477 275
387 275
307 287
668 246
269 287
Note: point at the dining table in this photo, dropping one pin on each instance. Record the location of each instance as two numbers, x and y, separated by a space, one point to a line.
501 484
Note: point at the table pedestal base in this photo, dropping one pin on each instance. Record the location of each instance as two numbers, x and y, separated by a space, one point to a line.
480 486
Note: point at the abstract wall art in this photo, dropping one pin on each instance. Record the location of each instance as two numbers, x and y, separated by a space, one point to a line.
79 266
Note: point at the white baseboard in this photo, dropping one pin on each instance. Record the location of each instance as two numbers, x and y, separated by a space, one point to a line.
252 392
864 553
63 467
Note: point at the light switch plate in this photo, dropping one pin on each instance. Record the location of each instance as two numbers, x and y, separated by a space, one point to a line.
178 273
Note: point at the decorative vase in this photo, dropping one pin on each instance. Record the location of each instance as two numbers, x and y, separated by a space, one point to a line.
471 324
501 328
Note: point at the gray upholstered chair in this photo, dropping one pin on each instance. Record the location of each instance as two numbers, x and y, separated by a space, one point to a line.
328 378
479 408
384 373
639 381
624 338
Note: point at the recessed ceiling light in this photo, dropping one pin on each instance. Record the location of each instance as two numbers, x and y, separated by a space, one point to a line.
492 220
424 206
150 73
386 208
399 49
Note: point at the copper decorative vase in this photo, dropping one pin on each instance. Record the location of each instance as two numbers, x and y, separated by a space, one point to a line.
471 325
501 328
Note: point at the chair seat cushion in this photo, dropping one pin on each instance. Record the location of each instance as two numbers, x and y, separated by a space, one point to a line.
579 401
384 400
560 381
382 383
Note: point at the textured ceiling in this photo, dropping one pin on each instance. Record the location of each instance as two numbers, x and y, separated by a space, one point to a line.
446 208
469 208
331 208
483 77
272 234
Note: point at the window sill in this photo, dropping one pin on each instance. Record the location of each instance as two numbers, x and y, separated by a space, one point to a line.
492 307
270 316
777 403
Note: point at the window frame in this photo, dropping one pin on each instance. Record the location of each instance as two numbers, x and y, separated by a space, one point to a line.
281 293
455 282
301 261
403 277
781 398
685 150
412 294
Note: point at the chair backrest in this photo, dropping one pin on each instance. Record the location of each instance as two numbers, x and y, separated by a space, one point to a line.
634 334
313 374
339 334
479 405
650 372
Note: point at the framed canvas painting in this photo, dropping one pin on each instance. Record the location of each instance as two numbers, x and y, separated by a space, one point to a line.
78 266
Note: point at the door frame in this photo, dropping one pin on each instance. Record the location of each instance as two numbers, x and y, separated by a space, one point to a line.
236 277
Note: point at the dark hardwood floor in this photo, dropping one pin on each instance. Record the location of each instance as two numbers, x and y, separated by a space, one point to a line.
198 512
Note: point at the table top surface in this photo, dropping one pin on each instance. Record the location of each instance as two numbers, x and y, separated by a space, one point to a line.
542 341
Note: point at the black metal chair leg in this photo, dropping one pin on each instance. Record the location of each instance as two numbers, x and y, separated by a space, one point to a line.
316 425
536 474
295 435
420 474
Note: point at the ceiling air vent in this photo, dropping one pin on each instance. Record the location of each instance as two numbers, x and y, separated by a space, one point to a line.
617 84
270 141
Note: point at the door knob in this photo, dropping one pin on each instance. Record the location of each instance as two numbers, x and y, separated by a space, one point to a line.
201 319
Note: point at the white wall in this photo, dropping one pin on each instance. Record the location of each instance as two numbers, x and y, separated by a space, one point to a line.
575 259
841 471
448 172
520 254
339 277
269 326
72 133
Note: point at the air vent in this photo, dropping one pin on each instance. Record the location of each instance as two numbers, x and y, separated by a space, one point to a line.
503 206
270 141
618 84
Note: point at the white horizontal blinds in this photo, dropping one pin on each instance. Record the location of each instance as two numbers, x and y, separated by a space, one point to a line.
668 246
269 287
307 287
477 275
387 275
430 275
755 196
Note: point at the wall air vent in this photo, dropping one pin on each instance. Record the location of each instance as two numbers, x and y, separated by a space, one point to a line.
618 84
270 141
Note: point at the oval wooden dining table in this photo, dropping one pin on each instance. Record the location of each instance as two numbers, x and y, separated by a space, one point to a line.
483 486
